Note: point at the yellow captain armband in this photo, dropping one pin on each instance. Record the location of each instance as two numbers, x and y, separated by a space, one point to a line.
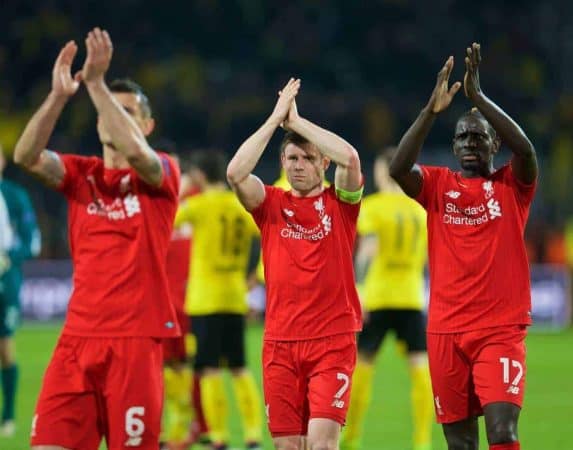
350 197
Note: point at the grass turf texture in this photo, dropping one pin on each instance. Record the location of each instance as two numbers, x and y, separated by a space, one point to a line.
545 421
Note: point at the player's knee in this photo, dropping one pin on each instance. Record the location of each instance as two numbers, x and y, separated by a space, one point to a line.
288 443
462 441
501 431
324 444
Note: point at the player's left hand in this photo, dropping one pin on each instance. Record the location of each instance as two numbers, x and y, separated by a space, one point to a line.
472 87
292 116
99 52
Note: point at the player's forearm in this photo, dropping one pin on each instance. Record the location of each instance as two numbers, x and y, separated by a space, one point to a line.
124 132
330 145
411 144
247 156
507 129
35 137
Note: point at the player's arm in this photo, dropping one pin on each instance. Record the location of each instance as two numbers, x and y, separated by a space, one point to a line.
403 166
125 134
348 175
524 161
30 151
248 187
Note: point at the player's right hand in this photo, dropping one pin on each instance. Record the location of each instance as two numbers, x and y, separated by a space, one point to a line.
442 96
99 53
286 96
63 84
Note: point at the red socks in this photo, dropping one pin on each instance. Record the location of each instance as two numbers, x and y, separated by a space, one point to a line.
510 446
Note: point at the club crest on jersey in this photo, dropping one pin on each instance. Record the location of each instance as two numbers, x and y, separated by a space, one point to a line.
453 194
319 206
125 183
488 189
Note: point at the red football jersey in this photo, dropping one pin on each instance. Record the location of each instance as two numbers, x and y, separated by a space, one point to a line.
307 246
479 273
119 229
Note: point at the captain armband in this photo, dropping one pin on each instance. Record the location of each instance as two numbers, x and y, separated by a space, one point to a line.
350 197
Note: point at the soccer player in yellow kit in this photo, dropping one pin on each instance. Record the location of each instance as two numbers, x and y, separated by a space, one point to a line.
390 263
216 298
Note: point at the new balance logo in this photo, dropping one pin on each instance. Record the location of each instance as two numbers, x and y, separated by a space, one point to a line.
453 194
338 404
513 390
494 208
288 212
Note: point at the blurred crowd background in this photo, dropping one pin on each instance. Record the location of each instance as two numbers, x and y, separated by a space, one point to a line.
212 68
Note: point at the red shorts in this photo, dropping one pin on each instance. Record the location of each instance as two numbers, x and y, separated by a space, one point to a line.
96 387
174 348
472 369
303 380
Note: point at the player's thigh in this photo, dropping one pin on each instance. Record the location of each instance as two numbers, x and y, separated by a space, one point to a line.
233 345
133 393
410 326
67 410
285 391
208 332
499 369
332 361
373 332
452 386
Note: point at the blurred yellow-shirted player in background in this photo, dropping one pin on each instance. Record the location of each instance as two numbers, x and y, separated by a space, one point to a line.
389 265
216 298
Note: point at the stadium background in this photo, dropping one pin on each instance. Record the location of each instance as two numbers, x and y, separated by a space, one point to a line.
212 68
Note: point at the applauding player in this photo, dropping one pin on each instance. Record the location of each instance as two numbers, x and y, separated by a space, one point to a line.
313 311
105 377
479 275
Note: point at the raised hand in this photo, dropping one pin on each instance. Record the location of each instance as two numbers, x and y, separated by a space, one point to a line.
63 84
442 96
472 88
286 98
292 115
99 52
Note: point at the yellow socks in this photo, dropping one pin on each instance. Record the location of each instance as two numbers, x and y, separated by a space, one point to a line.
359 401
422 406
177 413
250 405
215 407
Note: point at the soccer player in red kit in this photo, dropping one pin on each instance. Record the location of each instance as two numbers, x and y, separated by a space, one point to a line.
105 376
479 275
313 311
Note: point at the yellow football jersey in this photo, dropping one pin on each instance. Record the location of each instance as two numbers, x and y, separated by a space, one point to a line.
222 236
395 278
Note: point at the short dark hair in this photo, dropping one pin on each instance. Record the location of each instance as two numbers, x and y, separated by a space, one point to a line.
213 163
129 86
291 137
474 112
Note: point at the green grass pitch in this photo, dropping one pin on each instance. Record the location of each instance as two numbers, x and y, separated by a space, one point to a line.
545 421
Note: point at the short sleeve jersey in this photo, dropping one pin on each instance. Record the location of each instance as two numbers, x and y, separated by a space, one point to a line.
479 273
222 236
119 229
395 278
307 246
